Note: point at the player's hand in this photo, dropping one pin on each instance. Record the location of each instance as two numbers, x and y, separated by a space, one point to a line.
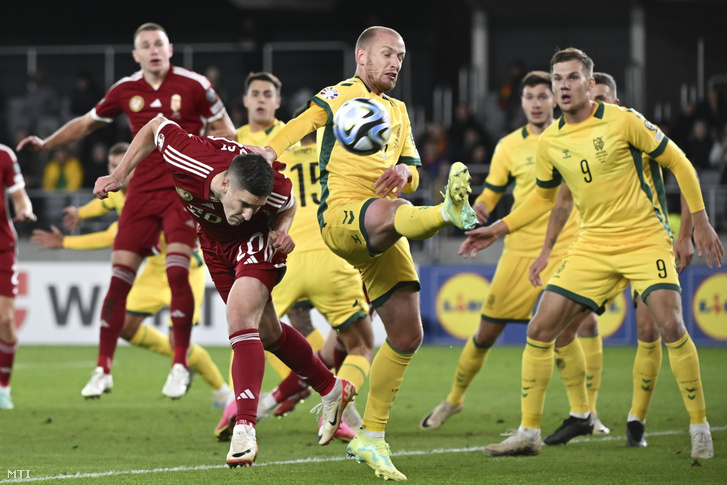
683 252
482 213
47 240
266 152
32 143
481 238
25 216
392 180
281 241
706 240
536 268
106 184
71 217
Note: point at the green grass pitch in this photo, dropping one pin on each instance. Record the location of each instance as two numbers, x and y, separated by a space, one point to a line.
134 435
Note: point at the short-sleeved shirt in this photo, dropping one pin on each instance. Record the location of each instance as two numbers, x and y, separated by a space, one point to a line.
601 160
513 163
346 176
184 96
12 181
193 162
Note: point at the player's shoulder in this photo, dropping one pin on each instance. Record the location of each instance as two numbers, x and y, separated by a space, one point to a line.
187 74
7 153
127 81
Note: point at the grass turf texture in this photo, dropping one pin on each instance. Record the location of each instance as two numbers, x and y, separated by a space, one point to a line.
134 435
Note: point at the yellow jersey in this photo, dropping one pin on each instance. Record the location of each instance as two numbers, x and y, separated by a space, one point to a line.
258 138
346 176
513 162
601 160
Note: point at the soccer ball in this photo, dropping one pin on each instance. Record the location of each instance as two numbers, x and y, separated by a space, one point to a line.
362 126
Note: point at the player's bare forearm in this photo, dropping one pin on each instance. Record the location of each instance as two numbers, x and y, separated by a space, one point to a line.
683 246
74 130
23 206
141 146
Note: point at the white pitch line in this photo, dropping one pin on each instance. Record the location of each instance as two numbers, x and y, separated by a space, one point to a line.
309 460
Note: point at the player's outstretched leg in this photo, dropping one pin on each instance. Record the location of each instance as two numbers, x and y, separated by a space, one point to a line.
456 206
98 384
375 452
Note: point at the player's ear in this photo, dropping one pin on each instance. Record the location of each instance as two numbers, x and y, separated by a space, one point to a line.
135 56
171 49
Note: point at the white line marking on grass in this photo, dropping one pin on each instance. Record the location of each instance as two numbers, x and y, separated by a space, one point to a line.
307 460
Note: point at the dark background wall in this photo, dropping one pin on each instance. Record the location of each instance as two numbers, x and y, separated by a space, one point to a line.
437 33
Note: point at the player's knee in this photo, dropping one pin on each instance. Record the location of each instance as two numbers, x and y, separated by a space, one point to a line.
406 344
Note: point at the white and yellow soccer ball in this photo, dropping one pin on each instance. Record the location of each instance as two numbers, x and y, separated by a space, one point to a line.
362 126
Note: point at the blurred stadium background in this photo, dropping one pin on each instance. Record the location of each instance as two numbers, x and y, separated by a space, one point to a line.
666 56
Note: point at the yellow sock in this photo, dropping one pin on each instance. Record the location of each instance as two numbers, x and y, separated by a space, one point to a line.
684 362
316 340
571 363
470 362
646 371
593 351
150 338
200 361
537 370
387 372
417 222
355 369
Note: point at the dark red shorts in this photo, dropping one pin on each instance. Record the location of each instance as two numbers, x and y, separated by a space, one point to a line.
146 214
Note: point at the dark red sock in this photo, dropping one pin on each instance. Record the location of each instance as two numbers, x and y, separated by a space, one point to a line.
289 386
113 313
181 308
248 367
7 356
295 352
339 354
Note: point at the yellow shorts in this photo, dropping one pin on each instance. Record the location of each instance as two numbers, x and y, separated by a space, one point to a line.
328 282
591 273
151 292
382 273
511 297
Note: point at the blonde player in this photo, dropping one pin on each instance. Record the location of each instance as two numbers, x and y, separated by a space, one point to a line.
364 220
149 294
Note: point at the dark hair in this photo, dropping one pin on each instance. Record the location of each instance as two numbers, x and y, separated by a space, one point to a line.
608 80
118 148
253 173
534 78
148 26
572 54
263 76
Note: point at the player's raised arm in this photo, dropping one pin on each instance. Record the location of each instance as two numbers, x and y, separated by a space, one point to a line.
141 146
74 130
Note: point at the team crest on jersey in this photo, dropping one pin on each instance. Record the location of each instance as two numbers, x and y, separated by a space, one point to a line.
176 105
598 143
329 93
649 125
136 103
184 194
